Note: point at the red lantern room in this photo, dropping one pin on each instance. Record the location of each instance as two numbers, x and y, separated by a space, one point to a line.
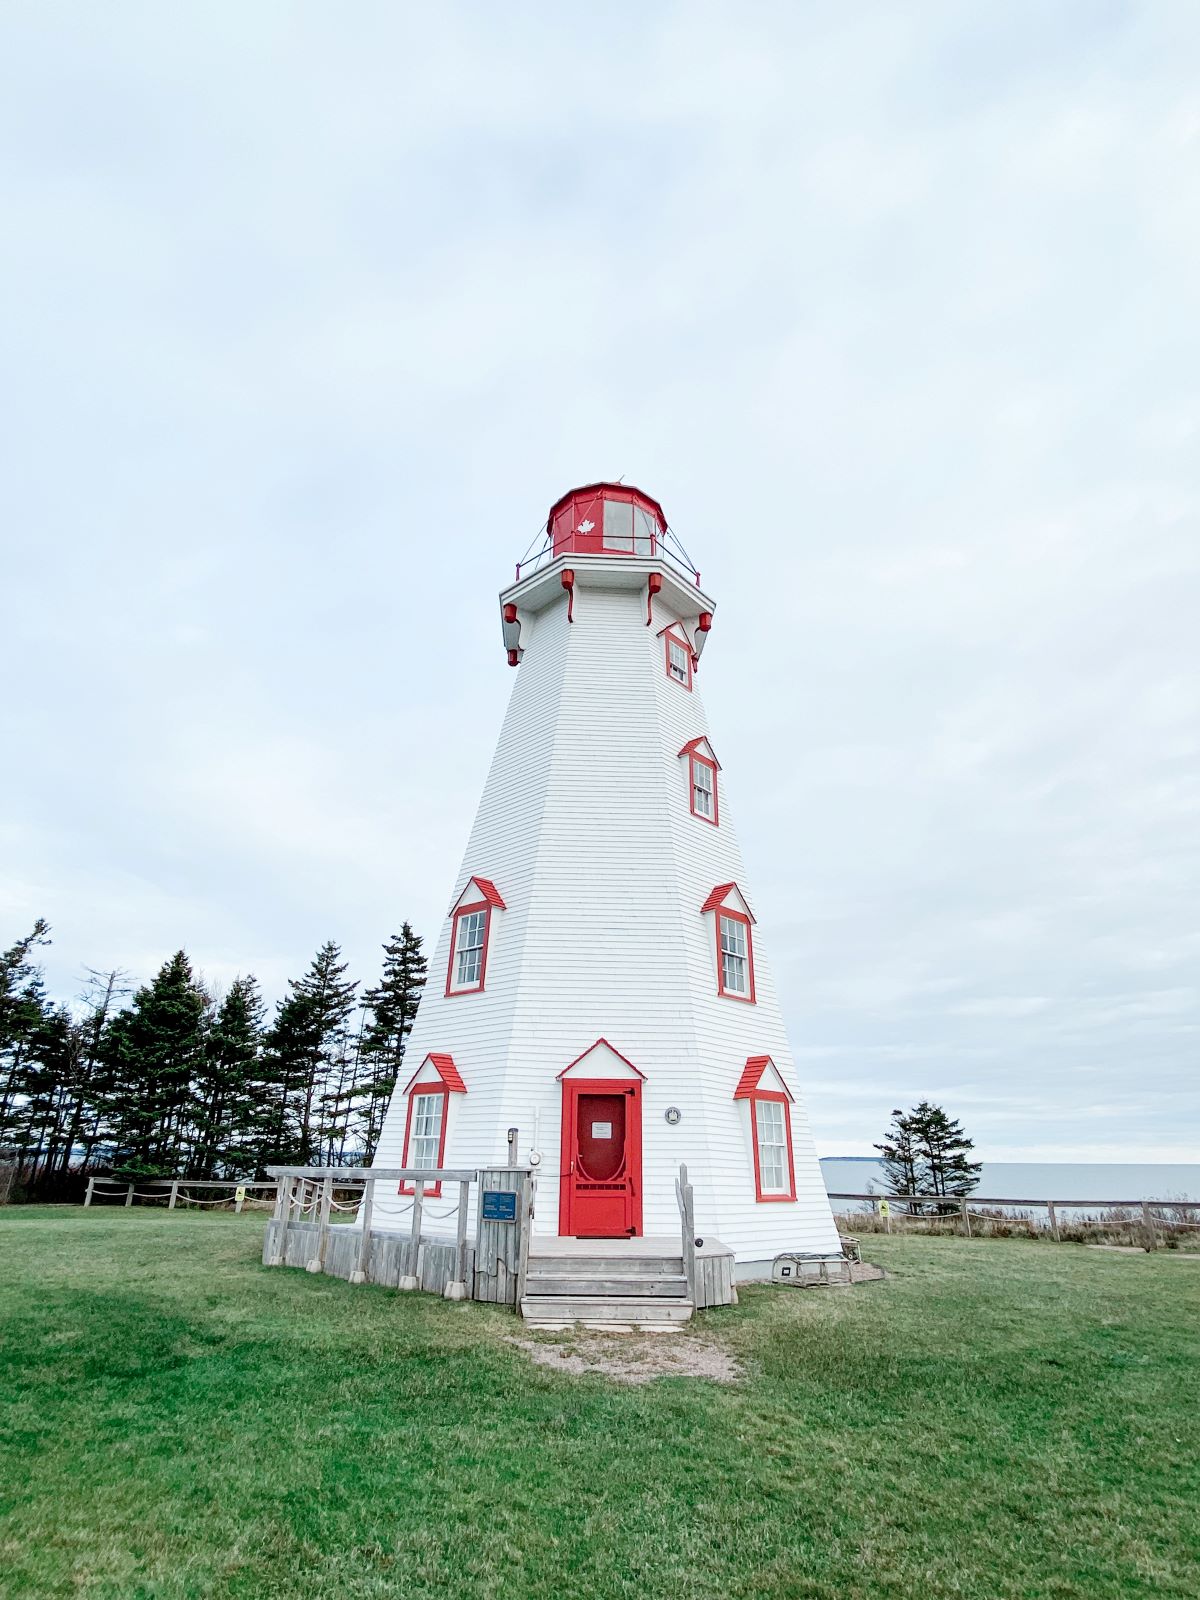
611 519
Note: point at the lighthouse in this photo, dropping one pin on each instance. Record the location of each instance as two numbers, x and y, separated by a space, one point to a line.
600 981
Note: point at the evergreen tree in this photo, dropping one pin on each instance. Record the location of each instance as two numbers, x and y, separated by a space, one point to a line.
304 1047
154 1051
391 1011
898 1157
23 1007
226 1103
925 1152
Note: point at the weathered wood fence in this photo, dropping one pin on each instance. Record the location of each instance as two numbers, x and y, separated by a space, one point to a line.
175 1190
490 1265
940 1208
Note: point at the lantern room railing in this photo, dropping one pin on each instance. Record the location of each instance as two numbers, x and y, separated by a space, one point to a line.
663 547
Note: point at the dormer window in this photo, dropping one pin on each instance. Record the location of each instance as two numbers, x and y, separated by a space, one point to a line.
429 1090
770 1102
733 927
470 935
702 768
679 659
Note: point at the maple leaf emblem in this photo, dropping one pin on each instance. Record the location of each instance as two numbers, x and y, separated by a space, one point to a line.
585 527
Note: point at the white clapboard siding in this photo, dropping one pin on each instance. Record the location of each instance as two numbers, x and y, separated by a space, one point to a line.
585 829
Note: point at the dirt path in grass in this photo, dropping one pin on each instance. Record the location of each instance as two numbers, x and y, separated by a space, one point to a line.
634 1358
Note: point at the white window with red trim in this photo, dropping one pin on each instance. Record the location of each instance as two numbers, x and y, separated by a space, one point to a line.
704 800
679 657
428 1119
769 1100
733 937
470 935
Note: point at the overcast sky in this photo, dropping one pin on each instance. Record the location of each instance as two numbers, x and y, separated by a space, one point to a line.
308 313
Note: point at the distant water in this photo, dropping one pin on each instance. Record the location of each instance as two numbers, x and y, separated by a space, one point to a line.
1042 1180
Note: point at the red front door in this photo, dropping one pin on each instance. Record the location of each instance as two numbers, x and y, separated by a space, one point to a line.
601 1190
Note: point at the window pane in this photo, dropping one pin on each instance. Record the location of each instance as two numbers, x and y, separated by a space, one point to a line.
618 525
426 1130
678 658
645 528
702 787
735 968
469 949
772 1147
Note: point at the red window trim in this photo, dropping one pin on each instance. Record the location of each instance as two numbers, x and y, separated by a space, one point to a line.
671 637
784 1101
734 916
703 761
432 1191
465 911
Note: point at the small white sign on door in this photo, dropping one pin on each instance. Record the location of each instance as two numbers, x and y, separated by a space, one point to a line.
601 1130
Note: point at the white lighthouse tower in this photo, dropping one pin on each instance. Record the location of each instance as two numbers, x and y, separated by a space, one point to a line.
600 982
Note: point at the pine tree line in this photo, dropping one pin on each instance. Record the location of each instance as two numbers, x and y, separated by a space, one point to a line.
175 1080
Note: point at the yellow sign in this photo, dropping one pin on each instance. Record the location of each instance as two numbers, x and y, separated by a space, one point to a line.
885 1209
240 1194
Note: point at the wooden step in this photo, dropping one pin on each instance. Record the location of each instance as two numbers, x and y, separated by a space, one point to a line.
610 1266
618 1310
623 1285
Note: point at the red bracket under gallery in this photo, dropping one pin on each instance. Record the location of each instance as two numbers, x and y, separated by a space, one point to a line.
510 617
568 583
703 628
652 588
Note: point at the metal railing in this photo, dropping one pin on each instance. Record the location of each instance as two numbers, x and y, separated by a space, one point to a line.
664 547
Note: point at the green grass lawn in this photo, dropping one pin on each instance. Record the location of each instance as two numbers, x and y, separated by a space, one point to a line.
995 1420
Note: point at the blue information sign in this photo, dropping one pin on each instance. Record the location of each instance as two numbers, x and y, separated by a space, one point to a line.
500 1205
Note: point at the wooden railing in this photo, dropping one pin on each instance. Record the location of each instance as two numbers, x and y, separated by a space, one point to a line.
304 1189
687 1224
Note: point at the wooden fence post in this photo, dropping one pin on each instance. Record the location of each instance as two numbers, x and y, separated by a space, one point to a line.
317 1262
87 1199
174 1195
966 1216
412 1280
129 1196
1148 1224
457 1288
359 1275
1053 1214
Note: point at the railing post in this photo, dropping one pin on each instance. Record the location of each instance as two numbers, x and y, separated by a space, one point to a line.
129 1196
687 1221
1148 1224
317 1262
528 1191
359 1275
457 1289
1053 1214
87 1199
966 1216
412 1280
174 1195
